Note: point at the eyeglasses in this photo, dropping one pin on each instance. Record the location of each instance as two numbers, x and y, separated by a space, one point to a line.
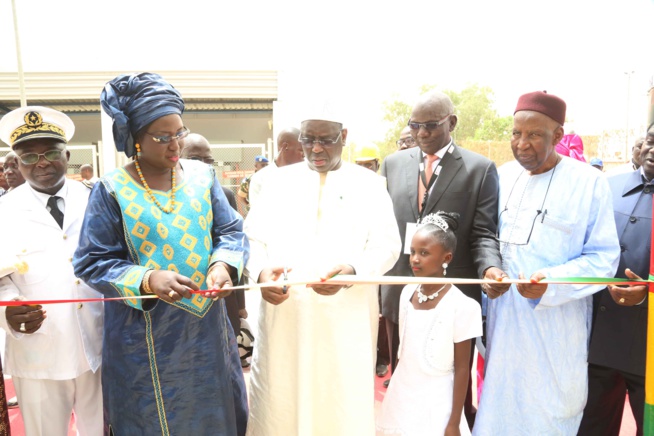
308 142
32 158
208 160
428 126
408 141
165 140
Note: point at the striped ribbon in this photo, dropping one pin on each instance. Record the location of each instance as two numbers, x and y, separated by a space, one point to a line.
648 422
362 280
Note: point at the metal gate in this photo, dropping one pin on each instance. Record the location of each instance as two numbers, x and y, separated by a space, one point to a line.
234 162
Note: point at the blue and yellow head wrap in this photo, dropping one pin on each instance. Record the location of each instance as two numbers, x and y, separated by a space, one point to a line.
134 101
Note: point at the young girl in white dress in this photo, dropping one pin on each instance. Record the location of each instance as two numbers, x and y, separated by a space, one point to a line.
437 324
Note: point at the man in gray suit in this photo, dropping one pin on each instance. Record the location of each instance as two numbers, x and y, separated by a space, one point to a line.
439 175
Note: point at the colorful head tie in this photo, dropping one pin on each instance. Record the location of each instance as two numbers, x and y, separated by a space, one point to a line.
134 101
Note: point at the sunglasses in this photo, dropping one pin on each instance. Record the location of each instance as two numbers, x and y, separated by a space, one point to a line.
428 126
32 158
308 142
165 140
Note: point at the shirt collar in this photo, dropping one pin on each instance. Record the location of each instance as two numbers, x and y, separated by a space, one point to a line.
43 198
440 153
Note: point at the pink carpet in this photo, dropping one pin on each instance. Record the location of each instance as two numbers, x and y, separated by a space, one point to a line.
17 428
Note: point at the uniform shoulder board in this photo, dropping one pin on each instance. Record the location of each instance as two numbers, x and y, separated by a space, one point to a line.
87 184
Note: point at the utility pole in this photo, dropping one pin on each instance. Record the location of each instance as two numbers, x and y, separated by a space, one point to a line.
626 132
21 75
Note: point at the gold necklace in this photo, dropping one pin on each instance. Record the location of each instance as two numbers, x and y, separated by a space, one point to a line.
149 191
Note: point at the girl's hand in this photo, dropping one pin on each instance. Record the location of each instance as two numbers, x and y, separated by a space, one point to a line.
452 430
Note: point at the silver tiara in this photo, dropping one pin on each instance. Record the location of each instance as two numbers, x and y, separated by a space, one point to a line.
436 220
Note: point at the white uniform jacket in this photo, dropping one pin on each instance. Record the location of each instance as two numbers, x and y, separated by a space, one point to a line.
69 341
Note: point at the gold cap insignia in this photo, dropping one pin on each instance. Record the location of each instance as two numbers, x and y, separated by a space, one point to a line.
33 119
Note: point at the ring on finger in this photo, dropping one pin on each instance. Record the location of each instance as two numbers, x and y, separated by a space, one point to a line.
621 301
22 327
171 293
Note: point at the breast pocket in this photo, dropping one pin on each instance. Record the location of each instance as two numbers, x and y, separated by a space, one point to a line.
38 265
557 232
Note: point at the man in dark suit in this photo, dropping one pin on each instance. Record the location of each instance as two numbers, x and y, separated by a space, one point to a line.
461 181
618 344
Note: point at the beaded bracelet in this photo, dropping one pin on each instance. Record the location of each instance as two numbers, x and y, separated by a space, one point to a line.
146 282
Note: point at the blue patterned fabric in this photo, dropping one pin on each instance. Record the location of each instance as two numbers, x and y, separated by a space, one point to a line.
168 368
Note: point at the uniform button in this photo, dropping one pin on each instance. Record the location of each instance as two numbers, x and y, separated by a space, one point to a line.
633 219
623 248
77 282
646 190
65 236
24 250
70 259
80 305
602 308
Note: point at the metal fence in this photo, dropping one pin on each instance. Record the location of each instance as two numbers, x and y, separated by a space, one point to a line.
232 162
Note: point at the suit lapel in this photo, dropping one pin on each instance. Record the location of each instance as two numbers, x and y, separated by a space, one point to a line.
450 166
412 175
625 202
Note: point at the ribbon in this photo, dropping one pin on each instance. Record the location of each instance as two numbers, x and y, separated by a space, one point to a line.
359 280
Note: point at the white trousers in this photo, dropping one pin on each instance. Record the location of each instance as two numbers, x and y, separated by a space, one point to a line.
46 405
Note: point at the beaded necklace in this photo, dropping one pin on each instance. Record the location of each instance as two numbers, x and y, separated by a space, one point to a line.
149 191
422 297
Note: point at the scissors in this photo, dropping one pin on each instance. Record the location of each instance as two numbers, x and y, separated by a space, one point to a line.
285 288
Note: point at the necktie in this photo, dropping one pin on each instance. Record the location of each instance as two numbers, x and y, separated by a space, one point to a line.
55 211
429 171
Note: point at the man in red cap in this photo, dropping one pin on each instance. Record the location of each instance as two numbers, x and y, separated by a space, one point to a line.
536 370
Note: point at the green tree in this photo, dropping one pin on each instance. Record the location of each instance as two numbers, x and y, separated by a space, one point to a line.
495 129
473 106
474 109
396 115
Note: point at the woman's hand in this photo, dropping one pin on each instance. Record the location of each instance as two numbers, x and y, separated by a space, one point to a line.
170 286
219 277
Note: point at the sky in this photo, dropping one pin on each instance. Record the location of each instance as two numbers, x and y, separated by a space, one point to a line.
364 53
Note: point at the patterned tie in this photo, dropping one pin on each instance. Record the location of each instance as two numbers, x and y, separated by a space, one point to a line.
55 211
429 171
